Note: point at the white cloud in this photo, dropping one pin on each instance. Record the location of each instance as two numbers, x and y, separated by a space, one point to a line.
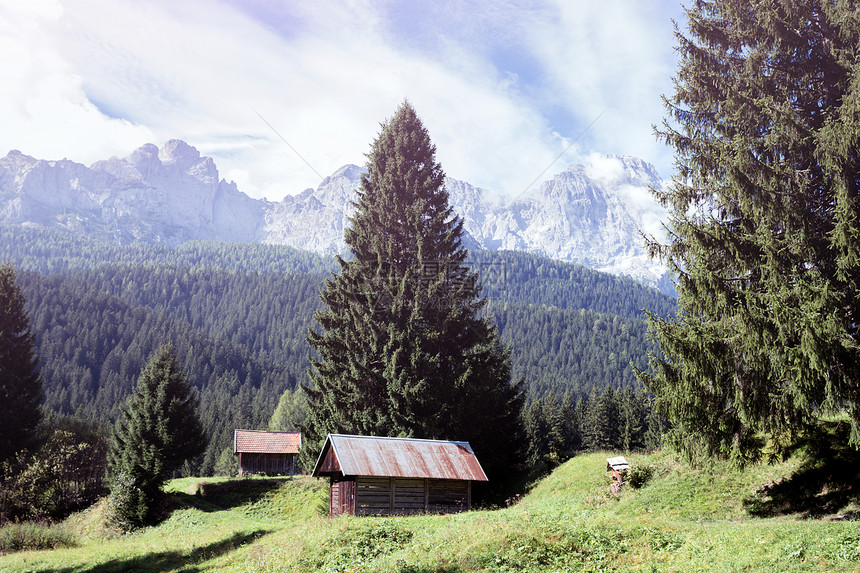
43 108
611 172
613 57
604 168
91 79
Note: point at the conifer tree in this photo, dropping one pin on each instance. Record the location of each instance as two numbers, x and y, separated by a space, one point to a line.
574 419
157 431
764 225
554 419
656 427
290 412
602 420
581 417
534 426
571 423
20 382
404 349
633 418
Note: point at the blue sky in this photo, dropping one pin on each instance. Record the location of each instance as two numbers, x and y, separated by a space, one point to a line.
504 87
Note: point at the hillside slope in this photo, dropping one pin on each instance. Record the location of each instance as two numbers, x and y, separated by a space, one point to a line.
684 520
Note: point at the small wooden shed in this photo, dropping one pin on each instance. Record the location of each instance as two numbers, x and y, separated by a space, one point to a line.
270 453
617 466
397 476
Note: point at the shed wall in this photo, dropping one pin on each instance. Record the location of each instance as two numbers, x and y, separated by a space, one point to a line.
342 496
372 496
406 496
267 464
449 496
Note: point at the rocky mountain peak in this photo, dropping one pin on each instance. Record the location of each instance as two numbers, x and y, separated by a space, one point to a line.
177 152
589 215
349 171
17 160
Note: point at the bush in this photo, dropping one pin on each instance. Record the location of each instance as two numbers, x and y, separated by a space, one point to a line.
29 536
62 476
638 476
129 507
364 543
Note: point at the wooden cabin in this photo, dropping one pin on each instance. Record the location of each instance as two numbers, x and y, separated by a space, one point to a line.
268 453
397 476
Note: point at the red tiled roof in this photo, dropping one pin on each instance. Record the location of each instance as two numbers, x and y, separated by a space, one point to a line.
261 442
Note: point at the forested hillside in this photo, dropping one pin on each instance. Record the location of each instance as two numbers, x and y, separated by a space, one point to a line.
238 316
93 346
51 251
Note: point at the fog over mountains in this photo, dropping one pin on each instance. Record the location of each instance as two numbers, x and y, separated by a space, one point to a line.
590 216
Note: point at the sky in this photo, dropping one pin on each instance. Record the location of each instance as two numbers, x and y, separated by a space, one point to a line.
283 93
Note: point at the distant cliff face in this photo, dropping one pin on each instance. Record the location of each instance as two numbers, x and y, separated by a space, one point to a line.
582 215
165 195
578 216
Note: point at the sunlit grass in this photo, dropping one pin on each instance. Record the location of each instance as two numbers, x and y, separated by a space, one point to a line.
683 520
20 536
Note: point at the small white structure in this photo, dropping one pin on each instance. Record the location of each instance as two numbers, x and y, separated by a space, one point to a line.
616 466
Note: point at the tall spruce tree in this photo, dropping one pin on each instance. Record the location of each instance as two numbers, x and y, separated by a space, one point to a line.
554 417
535 429
20 382
602 420
404 349
157 431
572 424
764 233
633 418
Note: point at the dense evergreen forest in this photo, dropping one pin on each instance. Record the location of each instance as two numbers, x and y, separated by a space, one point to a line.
238 315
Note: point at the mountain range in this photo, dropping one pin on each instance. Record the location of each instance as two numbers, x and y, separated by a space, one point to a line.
584 215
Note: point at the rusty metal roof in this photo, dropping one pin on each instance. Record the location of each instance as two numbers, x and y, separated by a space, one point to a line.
402 457
262 442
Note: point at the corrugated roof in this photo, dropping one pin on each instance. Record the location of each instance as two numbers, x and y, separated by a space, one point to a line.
402 457
262 442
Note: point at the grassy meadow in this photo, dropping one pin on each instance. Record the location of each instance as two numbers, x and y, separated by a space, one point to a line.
715 518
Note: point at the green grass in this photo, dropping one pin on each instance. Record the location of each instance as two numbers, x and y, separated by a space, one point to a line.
276 499
682 520
22 536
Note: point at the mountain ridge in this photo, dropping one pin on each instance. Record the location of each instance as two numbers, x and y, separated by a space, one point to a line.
588 215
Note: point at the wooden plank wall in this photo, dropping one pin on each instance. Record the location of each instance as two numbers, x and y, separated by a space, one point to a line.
406 496
267 464
448 496
334 498
341 496
372 495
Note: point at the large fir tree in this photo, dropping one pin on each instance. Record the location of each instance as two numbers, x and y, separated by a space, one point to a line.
764 227
404 349
20 382
157 431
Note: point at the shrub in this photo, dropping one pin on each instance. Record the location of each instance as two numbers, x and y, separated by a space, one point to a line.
364 543
638 476
63 475
128 506
29 536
